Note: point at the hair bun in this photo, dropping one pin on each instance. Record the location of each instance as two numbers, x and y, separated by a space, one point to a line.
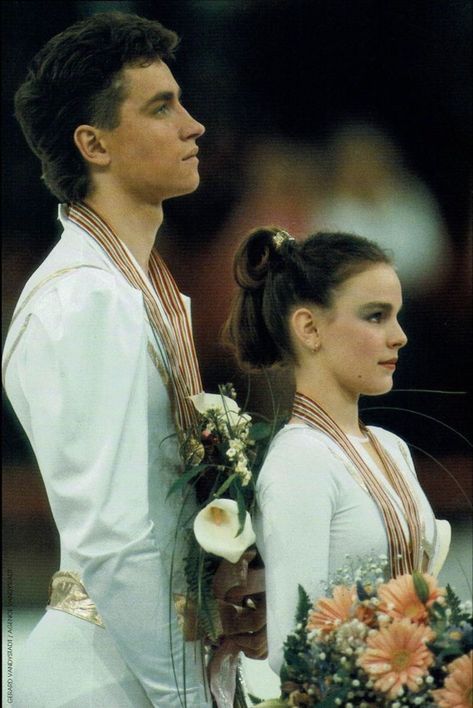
260 250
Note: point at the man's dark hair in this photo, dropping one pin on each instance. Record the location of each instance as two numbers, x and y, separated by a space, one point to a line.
75 79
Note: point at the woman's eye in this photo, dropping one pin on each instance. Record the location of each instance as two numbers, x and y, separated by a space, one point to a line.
375 317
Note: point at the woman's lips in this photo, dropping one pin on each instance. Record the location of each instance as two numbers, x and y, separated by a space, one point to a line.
390 364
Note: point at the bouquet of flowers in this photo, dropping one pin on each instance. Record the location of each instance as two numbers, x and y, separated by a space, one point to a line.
379 642
222 455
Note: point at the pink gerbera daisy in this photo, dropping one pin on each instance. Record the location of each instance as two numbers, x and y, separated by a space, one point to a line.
397 656
398 598
328 613
457 691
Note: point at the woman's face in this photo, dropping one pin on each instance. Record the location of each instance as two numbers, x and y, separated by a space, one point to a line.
360 336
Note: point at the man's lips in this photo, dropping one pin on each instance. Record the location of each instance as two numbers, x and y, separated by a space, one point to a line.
191 155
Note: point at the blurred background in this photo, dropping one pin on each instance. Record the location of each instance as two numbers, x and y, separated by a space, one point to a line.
320 114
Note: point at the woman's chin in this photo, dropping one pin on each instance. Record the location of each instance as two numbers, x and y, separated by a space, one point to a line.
378 390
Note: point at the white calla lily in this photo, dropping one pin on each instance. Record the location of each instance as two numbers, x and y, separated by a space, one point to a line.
215 401
216 527
224 405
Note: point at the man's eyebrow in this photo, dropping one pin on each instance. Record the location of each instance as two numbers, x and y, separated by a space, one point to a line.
163 96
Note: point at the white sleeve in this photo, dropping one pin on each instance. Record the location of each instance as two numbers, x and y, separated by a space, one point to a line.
83 371
297 497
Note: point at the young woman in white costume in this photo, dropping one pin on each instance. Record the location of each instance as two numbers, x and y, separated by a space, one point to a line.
327 309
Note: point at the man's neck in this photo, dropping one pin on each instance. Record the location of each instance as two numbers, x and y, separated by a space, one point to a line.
135 224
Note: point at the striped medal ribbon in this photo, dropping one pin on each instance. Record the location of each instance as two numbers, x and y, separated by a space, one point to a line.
404 556
177 335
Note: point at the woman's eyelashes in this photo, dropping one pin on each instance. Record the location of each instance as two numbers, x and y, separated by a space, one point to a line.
376 316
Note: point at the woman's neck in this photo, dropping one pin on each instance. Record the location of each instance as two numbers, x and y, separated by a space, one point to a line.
341 406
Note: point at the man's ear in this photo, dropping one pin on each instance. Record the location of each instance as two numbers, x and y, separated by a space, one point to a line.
92 147
305 326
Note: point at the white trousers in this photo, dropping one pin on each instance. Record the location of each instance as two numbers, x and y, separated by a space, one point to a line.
68 662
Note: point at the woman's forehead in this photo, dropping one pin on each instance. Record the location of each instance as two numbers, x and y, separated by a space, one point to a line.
377 283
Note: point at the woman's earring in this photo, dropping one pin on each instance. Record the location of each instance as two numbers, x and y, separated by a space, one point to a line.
313 347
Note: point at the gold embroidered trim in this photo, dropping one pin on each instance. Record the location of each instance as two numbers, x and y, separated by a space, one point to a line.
351 469
27 299
67 594
406 458
6 361
51 276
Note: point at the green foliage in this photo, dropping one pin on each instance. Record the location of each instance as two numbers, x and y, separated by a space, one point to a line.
454 603
420 586
226 484
241 508
239 700
331 700
187 476
261 430
452 626
297 665
303 606
199 570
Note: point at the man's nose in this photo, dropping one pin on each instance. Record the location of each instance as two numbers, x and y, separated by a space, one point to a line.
191 128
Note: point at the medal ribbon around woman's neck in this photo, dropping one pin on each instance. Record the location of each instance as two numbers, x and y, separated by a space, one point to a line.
404 556
177 336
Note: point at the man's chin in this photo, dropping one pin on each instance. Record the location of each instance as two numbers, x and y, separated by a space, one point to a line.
184 189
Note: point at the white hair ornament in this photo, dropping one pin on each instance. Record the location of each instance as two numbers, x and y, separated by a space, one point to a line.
280 237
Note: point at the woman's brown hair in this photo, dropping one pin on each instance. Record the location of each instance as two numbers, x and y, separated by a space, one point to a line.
276 273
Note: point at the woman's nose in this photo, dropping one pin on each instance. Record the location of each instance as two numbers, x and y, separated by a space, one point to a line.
399 337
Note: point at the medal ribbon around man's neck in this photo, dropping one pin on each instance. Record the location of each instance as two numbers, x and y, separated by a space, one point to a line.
177 336
404 556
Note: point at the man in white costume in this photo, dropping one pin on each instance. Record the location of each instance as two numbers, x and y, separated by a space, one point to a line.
98 364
